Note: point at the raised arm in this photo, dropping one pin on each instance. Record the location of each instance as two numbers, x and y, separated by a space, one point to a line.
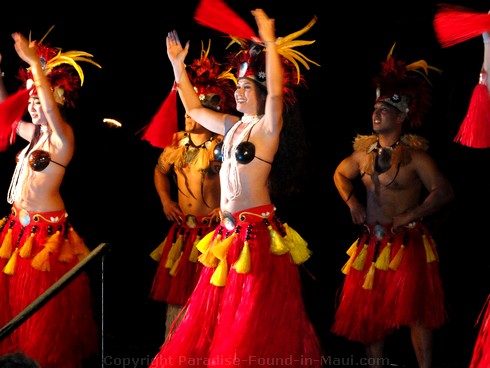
274 72
27 52
212 120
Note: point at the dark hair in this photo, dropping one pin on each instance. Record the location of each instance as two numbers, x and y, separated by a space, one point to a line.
289 167
18 360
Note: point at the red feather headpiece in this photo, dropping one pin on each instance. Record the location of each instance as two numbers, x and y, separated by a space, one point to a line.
405 87
249 62
62 70
214 86
64 74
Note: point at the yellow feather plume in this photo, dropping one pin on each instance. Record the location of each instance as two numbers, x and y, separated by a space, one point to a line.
71 58
285 45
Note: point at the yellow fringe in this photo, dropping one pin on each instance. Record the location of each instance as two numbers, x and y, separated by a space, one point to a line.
173 270
360 260
429 252
3 221
352 249
242 265
7 246
298 247
220 250
156 254
41 260
194 254
78 245
368 281
351 252
26 250
278 243
207 258
174 252
220 274
10 266
205 243
397 259
383 261
66 252
346 268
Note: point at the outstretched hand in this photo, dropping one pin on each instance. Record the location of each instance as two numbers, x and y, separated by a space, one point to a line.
176 53
25 49
265 25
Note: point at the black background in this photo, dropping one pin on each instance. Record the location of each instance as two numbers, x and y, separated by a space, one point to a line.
109 191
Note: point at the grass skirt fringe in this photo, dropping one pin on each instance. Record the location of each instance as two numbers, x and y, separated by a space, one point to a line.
257 319
405 295
63 332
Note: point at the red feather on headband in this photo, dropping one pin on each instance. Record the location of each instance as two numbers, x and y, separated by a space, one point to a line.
217 15
454 24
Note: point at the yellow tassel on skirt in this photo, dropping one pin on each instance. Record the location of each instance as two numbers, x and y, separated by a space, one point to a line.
383 261
41 260
429 252
7 246
360 260
368 281
156 255
242 265
26 250
10 266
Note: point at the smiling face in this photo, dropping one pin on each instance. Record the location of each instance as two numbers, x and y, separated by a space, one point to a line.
36 111
249 97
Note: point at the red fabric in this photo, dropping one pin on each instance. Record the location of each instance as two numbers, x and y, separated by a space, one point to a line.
63 332
217 15
257 316
481 351
475 129
164 124
454 24
177 289
411 294
11 111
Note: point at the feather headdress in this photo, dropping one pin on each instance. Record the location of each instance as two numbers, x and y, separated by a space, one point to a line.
62 70
405 86
64 74
249 62
213 82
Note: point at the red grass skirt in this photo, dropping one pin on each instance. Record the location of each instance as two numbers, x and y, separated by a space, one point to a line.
175 280
481 351
256 319
405 294
63 332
